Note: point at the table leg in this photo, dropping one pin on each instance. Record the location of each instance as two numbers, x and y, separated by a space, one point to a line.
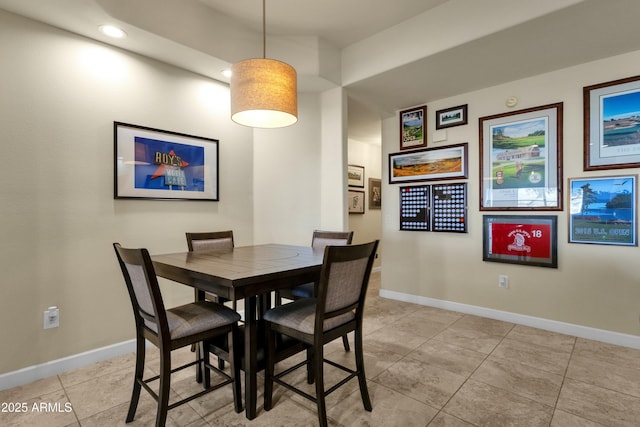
250 357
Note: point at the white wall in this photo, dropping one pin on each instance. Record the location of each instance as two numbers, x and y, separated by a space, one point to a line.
594 286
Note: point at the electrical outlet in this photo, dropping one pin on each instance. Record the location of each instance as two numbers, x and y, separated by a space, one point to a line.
503 281
51 317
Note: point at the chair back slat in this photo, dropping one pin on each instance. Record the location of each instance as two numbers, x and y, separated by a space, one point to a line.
344 284
224 244
344 279
144 291
322 239
210 241
141 289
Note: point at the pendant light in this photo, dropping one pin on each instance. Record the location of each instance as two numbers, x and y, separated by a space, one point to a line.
263 91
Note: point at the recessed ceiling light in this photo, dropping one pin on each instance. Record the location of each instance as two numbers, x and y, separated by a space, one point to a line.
112 31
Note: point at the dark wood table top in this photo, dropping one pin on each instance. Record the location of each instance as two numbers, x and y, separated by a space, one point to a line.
245 271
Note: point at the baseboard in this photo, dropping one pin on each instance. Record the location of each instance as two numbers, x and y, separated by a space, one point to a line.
55 367
616 338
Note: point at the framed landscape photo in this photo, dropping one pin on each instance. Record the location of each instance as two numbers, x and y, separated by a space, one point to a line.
521 159
355 175
520 239
375 193
603 210
158 164
612 125
356 201
413 128
450 117
429 164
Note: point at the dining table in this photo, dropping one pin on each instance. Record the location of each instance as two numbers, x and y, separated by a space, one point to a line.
248 273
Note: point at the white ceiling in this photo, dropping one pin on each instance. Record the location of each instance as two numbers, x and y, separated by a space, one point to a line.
389 55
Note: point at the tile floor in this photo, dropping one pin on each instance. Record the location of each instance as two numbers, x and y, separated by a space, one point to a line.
426 367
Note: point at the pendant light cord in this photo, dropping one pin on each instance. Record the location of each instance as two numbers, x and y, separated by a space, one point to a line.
264 29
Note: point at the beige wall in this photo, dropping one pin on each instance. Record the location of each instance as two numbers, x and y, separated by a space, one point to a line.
366 227
595 286
59 97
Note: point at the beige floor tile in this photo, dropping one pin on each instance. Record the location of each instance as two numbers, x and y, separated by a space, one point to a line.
565 419
470 339
389 338
483 324
419 326
105 367
31 390
446 420
50 409
607 407
558 342
145 415
484 405
389 409
608 353
376 360
520 379
99 393
454 359
532 354
613 376
421 381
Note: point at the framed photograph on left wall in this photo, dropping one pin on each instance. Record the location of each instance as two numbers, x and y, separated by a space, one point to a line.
356 201
355 175
158 164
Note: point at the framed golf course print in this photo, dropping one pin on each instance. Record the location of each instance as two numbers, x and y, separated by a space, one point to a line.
521 160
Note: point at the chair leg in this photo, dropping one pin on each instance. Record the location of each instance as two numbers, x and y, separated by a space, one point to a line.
234 365
362 379
203 365
319 374
199 348
165 384
269 368
310 366
345 343
137 378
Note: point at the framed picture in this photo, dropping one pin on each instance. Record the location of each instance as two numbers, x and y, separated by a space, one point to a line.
528 240
603 210
414 208
375 193
356 201
450 117
158 164
355 175
449 207
413 128
429 164
612 125
521 159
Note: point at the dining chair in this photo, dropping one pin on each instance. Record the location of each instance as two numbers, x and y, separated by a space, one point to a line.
173 328
319 241
337 309
210 241
202 242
